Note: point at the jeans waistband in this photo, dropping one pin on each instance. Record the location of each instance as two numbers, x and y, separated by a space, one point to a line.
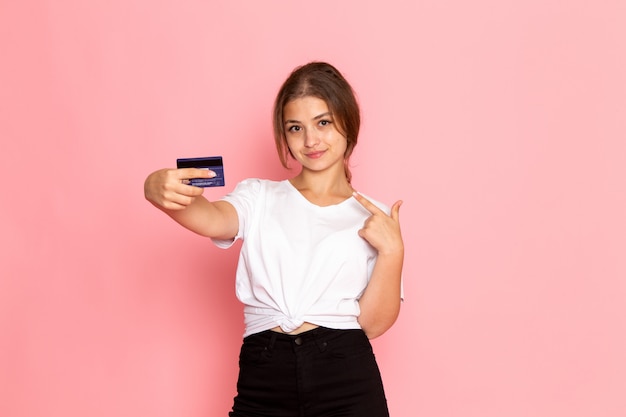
320 337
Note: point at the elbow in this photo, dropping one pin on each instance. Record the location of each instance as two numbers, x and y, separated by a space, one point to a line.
374 333
377 326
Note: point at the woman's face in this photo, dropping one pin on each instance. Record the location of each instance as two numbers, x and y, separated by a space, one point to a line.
312 134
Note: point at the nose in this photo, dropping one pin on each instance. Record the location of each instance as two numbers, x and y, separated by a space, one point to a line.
310 138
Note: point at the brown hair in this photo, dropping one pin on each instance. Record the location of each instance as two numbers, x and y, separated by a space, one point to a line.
321 80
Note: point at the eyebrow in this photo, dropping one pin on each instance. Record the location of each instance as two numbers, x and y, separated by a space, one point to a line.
321 116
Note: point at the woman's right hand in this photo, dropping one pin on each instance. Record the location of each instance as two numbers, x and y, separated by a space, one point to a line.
167 188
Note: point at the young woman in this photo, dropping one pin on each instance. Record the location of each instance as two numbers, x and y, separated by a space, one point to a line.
320 266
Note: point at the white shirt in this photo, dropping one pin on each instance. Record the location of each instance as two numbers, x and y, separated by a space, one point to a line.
299 262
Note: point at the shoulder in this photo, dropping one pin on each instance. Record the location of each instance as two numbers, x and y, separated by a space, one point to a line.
256 185
252 189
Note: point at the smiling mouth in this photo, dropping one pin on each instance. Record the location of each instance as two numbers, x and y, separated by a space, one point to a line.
315 155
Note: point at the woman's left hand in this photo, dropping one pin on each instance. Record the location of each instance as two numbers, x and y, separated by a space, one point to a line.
382 231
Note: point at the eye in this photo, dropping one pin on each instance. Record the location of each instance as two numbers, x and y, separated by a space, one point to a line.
294 128
325 122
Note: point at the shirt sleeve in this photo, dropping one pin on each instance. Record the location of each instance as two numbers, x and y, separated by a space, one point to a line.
243 198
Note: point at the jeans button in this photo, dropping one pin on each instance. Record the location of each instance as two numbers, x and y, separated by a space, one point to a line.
298 341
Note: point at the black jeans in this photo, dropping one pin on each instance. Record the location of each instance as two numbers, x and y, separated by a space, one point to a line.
319 373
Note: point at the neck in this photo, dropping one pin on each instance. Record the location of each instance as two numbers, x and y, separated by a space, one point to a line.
323 188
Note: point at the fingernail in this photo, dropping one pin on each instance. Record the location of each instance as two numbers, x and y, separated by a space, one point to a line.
210 173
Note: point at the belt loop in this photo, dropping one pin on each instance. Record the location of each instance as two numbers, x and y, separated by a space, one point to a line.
319 341
270 345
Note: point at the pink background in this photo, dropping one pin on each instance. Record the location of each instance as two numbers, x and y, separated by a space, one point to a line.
501 124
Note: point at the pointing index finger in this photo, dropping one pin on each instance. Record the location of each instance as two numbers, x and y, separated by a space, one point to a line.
369 206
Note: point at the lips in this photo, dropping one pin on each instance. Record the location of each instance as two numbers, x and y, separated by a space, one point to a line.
315 155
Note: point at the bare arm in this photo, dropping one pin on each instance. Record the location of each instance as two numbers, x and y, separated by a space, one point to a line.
380 302
166 190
